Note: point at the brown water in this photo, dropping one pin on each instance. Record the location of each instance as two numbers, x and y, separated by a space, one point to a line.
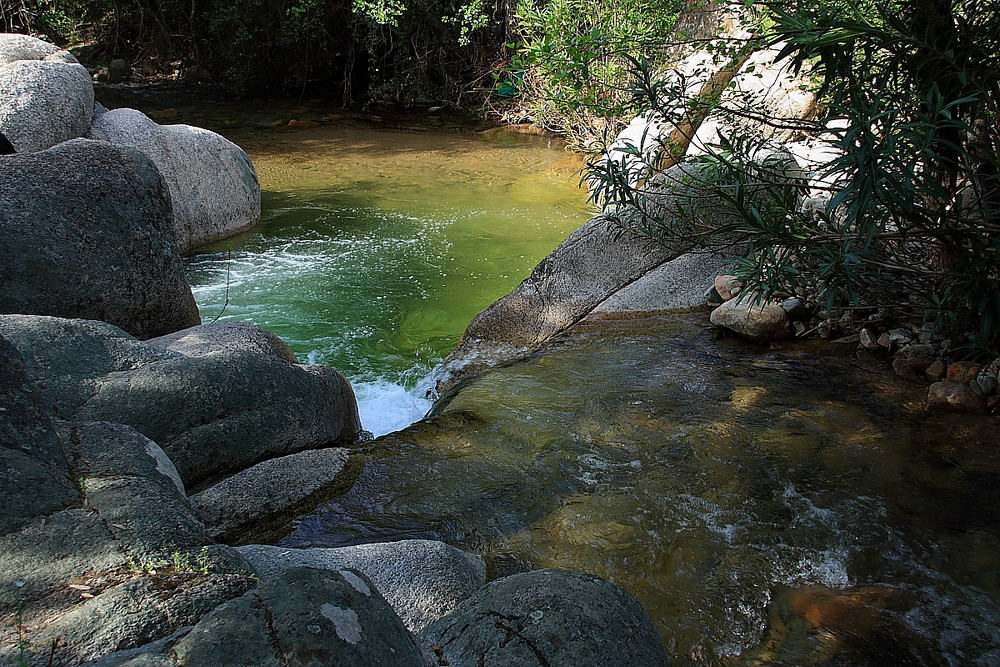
766 507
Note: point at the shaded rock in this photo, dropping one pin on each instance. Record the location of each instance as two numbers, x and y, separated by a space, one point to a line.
675 285
963 371
85 231
24 47
756 321
118 71
548 617
212 414
69 357
34 474
212 182
44 103
954 397
422 579
936 371
594 262
911 361
137 612
984 384
6 148
254 502
219 336
301 617
796 308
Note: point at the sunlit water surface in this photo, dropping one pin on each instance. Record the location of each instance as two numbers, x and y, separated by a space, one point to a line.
377 248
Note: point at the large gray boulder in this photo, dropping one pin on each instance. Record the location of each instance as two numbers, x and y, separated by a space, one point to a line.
671 287
753 319
213 414
218 336
123 563
44 103
14 46
422 579
596 261
85 231
555 618
256 504
303 617
213 184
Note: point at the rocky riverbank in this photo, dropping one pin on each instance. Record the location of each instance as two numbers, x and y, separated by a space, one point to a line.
134 440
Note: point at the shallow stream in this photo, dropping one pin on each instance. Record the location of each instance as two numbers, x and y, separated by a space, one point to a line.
782 506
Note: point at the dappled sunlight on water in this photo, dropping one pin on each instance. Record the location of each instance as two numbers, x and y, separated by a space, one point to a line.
376 249
741 494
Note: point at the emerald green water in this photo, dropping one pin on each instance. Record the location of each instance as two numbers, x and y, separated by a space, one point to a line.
377 248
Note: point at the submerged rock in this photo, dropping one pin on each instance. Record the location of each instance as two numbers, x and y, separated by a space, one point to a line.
422 579
547 617
85 232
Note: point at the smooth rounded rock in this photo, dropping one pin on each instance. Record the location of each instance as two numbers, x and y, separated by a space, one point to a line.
556 618
213 184
85 231
422 579
220 336
44 103
756 321
14 46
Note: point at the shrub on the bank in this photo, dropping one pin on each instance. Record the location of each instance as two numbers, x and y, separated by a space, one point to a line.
913 227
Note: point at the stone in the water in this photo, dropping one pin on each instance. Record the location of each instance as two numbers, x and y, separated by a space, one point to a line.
547 617
767 321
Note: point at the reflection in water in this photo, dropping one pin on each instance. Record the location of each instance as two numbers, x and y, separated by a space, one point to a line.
765 508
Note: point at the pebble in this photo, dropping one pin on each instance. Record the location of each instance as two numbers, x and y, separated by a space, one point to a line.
868 338
984 384
963 371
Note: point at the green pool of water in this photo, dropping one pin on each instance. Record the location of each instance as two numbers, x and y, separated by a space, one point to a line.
377 248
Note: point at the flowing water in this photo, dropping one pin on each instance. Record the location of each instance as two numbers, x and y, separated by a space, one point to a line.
377 248
771 507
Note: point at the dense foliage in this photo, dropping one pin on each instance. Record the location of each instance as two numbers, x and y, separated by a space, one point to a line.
913 226
354 50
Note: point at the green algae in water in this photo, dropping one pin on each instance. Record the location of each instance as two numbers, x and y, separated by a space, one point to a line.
376 249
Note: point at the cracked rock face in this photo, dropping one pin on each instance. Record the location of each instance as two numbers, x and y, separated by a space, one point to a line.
302 617
547 618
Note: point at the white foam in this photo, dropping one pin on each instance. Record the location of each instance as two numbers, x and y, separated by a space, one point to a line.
386 406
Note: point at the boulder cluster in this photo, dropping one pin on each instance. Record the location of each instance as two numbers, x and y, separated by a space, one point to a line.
137 444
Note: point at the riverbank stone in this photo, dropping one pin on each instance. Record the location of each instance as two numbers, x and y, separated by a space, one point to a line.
213 415
44 103
220 336
753 320
212 182
954 397
303 617
423 580
256 503
549 617
85 232
14 46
